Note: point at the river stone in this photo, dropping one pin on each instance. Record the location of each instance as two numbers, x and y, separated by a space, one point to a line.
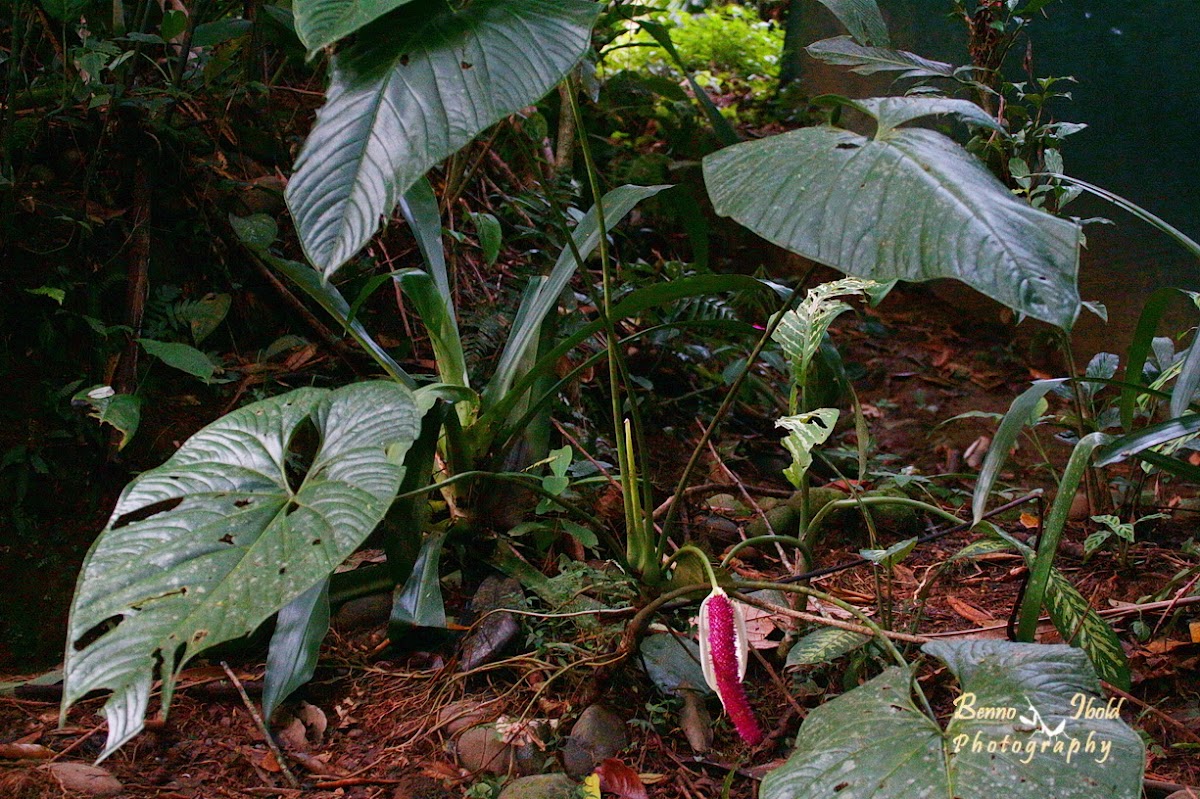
496 630
85 778
482 749
540 786
598 734
364 613
458 716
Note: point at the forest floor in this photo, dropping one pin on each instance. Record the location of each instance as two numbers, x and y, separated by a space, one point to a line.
377 723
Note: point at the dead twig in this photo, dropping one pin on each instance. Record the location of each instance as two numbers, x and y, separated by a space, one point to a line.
262 726
1173 723
841 625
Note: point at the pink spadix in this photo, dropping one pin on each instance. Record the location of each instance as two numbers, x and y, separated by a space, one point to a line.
723 654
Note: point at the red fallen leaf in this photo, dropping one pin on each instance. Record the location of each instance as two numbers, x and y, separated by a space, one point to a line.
269 763
618 778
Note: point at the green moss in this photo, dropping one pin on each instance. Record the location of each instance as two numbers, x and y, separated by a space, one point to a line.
722 45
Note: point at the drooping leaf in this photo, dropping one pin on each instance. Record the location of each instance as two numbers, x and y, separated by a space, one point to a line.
843 51
1021 413
121 411
874 742
206 547
802 329
912 205
183 357
889 557
1052 530
414 87
862 18
1147 437
487 230
292 655
824 645
418 603
329 298
320 23
419 206
436 316
892 112
805 431
1081 626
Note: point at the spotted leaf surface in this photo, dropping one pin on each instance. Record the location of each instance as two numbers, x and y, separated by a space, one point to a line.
250 513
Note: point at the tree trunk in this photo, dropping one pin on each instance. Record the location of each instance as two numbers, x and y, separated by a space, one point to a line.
793 44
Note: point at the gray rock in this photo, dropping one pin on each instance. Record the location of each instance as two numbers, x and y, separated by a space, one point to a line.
85 778
598 734
540 786
364 613
496 630
480 749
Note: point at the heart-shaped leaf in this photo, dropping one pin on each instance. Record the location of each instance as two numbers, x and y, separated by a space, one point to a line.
1021 730
232 528
414 87
909 205
320 23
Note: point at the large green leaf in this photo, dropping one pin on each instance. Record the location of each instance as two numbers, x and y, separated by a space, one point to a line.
413 88
320 23
909 205
258 232
874 742
232 528
862 18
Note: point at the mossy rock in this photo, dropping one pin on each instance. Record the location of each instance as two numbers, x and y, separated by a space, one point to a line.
844 525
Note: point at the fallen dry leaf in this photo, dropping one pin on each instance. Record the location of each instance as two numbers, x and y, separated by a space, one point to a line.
17 751
969 611
618 778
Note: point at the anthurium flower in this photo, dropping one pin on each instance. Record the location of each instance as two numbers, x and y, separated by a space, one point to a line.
723 655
